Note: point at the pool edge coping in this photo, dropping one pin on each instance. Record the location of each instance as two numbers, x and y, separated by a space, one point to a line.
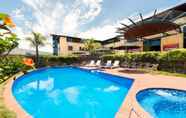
10 101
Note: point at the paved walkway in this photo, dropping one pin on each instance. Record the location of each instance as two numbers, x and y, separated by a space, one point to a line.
141 81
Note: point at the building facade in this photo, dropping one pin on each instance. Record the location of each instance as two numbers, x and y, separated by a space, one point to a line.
168 39
65 45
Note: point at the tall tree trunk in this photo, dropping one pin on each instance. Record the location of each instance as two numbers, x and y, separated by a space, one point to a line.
37 56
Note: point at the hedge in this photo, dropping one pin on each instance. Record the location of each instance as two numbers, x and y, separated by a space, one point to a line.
173 61
10 65
57 60
151 57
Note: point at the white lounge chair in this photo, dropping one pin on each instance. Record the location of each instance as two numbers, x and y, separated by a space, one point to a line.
108 64
115 64
91 64
98 63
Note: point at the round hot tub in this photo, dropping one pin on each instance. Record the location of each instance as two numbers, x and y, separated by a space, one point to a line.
163 103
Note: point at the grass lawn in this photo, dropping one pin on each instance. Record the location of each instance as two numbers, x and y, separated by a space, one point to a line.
4 112
158 72
168 73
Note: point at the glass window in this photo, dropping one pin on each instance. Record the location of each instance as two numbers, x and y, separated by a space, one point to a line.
70 48
80 48
184 29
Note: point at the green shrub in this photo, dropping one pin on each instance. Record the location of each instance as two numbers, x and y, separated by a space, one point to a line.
174 60
151 57
57 60
176 55
11 65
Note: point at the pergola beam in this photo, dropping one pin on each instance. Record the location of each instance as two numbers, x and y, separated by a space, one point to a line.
125 25
141 16
166 15
155 13
132 21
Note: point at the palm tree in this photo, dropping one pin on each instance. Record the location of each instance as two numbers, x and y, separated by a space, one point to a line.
91 45
36 41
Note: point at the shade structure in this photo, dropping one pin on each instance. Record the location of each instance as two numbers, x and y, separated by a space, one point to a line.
181 7
156 24
148 28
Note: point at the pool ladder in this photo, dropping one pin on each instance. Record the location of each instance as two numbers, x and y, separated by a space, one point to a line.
133 110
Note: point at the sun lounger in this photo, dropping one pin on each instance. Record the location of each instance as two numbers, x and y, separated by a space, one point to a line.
115 64
108 64
98 63
91 64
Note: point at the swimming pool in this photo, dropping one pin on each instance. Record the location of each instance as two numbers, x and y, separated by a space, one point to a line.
69 92
163 103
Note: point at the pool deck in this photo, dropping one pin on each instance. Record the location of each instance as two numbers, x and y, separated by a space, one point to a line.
141 81
11 102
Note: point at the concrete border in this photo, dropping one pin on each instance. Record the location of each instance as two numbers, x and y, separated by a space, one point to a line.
10 100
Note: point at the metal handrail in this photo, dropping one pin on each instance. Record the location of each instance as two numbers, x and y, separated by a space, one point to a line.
133 110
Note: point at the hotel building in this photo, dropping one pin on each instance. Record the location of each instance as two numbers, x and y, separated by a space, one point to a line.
161 32
65 45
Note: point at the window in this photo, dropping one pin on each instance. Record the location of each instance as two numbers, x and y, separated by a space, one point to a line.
69 39
81 48
184 31
70 48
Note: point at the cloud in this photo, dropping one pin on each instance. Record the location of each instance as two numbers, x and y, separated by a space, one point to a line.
108 30
100 32
59 17
82 12
17 13
95 6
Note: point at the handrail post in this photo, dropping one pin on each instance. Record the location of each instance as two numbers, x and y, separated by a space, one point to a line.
130 114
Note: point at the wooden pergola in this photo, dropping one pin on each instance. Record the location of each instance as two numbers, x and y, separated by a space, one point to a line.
157 24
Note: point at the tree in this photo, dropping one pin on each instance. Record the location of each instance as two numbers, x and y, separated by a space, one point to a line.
36 40
8 40
91 45
7 44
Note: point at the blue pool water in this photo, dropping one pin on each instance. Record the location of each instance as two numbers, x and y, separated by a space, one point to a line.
70 92
163 103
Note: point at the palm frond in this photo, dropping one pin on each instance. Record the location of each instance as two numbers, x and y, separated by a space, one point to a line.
37 39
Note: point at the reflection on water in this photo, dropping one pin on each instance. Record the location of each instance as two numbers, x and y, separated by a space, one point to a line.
111 88
173 96
71 94
54 95
46 85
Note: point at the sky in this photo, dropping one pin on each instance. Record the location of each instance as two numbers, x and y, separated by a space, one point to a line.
97 19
